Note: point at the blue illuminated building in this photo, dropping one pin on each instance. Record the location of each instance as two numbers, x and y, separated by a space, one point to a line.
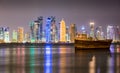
48 30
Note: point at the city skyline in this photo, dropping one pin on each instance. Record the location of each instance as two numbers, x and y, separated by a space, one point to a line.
54 34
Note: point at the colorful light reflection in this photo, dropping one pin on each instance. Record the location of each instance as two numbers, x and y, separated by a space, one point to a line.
48 59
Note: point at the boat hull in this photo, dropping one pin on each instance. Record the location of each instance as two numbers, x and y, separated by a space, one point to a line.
90 44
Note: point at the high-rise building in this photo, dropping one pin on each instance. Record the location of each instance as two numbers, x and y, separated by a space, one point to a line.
40 29
73 31
54 30
6 35
20 34
48 30
62 31
99 33
36 30
116 36
113 33
92 30
1 34
67 34
32 37
14 36
27 37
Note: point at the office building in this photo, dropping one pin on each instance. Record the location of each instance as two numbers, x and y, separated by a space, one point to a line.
67 34
6 35
27 37
92 30
48 30
73 31
54 30
14 36
62 31
1 34
20 34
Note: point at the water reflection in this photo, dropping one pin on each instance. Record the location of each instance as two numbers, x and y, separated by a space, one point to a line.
58 59
48 59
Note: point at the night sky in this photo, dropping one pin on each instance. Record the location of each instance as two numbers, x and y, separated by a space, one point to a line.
14 13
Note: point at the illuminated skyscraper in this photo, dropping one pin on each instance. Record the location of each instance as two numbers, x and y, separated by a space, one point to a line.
40 29
36 30
116 35
54 30
48 30
6 35
1 34
92 30
99 33
14 36
73 31
20 34
27 37
32 37
67 34
62 31
110 32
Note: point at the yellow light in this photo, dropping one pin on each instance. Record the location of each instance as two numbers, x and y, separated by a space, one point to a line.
62 31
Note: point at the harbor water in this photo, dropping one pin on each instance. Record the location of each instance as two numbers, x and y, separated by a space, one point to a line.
58 59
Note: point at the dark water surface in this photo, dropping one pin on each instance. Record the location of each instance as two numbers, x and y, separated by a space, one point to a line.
58 59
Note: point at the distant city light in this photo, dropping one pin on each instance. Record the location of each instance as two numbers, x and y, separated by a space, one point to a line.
54 33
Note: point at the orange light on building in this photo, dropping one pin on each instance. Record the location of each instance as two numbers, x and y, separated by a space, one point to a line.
62 31
20 34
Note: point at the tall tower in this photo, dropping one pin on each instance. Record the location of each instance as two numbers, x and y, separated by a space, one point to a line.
110 32
1 34
32 37
92 30
62 31
67 34
73 31
6 35
36 29
20 34
54 30
14 36
48 30
40 28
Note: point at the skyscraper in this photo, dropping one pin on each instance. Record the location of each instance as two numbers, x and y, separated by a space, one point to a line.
48 30
54 30
14 36
62 31
67 34
20 34
36 29
6 35
40 29
99 34
27 37
110 32
92 30
1 34
32 37
73 31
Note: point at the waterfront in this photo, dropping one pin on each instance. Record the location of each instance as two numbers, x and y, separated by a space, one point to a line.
58 59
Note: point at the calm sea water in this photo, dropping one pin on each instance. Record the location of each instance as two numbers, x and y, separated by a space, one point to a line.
58 59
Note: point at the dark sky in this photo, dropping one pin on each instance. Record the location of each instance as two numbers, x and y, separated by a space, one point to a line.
14 13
